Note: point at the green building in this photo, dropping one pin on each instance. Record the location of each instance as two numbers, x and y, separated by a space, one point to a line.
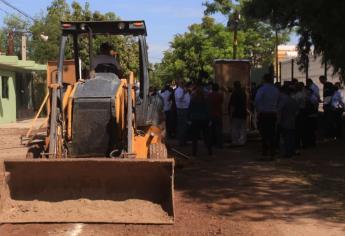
22 88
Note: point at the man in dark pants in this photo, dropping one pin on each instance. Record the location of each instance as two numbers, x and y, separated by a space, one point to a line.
266 104
288 110
338 110
328 121
311 110
182 100
199 117
215 100
238 115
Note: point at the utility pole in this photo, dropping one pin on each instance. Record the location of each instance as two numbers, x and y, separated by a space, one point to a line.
235 42
10 44
234 24
276 54
23 47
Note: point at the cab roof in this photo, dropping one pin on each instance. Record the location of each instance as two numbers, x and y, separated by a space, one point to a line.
134 28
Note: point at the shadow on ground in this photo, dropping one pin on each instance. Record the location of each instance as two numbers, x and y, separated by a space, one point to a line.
233 184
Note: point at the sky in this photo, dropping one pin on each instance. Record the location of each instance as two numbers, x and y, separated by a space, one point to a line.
164 19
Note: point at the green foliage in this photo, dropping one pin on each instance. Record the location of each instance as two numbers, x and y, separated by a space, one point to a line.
155 81
192 54
260 41
13 23
223 6
49 24
318 22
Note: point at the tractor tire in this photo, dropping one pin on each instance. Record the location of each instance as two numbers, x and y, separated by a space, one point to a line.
158 151
34 152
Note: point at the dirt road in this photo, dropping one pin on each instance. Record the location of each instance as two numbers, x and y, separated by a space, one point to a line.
10 146
232 194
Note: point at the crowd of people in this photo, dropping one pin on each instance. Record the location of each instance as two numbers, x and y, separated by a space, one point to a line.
192 111
287 115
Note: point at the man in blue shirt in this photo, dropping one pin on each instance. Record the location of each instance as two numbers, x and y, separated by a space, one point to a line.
266 104
182 100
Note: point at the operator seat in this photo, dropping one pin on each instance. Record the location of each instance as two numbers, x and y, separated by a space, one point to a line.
109 68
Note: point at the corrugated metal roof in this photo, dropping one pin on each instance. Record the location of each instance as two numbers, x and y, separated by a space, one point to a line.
13 63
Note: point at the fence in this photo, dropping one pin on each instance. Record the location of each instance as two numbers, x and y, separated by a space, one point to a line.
289 70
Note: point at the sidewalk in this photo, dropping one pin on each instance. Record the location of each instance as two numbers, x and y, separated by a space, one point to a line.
24 124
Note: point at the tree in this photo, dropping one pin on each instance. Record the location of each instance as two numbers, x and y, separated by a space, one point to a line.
60 10
49 25
225 7
16 25
192 54
260 40
317 22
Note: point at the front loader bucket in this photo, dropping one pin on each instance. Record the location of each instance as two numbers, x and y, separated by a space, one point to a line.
87 191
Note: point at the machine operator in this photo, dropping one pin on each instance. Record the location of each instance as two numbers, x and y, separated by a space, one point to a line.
106 61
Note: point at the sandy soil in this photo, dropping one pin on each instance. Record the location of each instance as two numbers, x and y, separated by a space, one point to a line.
232 194
85 210
10 146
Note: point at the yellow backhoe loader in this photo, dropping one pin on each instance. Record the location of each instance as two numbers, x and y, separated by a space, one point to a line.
103 159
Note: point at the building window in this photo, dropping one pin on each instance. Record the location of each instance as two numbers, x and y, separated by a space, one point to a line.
4 86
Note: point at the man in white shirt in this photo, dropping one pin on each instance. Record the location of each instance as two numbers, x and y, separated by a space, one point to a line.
166 95
182 100
182 97
105 62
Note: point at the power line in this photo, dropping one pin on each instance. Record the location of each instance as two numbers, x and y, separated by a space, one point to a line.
18 10
4 11
13 15
16 17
